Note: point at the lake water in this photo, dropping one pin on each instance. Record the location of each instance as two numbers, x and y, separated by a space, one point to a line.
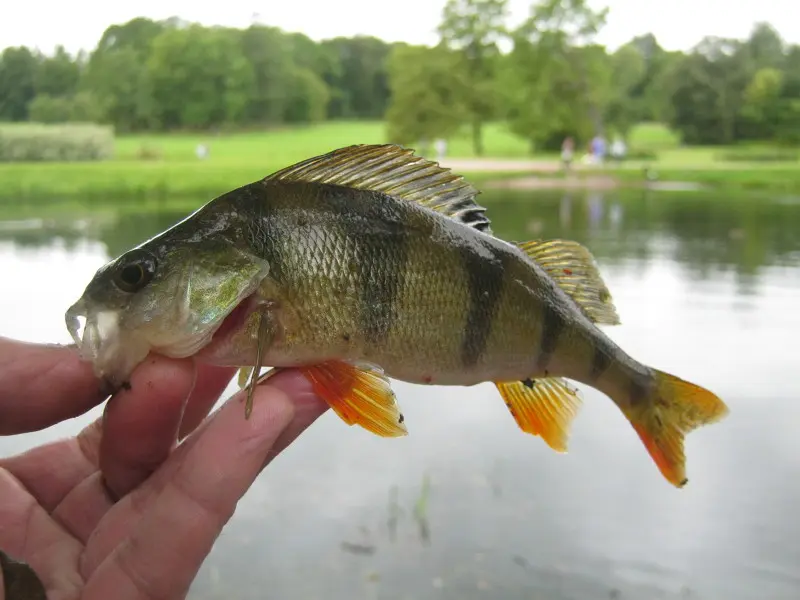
707 288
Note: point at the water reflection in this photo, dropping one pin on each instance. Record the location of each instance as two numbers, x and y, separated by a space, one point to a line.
703 233
468 507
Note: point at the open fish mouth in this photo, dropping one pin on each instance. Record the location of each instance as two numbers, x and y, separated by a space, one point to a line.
115 351
99 340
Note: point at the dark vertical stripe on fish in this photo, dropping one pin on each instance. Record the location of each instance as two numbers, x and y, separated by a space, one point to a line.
601 360
380 256
638 390
485 279
552 326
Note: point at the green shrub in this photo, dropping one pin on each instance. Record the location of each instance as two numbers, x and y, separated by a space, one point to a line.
641 154
34 142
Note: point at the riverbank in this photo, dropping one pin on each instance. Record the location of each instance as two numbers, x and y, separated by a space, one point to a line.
166 166
129 180
543 174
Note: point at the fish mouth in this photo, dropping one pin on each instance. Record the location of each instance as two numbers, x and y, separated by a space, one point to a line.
99 340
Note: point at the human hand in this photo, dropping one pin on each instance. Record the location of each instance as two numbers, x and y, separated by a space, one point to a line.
128 508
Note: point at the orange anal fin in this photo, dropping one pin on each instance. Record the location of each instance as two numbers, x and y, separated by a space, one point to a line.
359 396
543 407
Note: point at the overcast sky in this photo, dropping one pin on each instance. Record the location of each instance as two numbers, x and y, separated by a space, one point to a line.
678 24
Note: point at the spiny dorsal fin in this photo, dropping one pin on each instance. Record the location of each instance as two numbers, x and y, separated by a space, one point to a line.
573 268
393 170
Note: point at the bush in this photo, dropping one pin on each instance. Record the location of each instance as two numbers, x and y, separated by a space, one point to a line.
33 142
49 109
147 152
641 154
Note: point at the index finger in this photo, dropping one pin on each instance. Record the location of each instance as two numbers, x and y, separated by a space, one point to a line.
141 425
41 385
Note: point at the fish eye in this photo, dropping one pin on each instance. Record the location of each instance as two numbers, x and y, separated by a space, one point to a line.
135 273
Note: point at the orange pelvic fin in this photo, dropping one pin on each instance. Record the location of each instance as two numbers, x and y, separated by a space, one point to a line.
543 407
359 395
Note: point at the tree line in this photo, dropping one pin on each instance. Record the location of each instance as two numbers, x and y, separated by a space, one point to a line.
547 79
147 75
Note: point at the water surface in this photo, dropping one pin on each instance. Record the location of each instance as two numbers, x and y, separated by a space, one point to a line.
467 506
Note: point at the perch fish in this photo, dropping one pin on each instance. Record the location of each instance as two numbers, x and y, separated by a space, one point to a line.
369 262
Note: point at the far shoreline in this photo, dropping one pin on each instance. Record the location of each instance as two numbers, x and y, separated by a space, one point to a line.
518 174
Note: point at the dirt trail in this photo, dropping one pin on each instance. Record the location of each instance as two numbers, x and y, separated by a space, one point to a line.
487 165
547 168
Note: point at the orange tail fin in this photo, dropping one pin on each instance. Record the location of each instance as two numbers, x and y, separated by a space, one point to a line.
676 408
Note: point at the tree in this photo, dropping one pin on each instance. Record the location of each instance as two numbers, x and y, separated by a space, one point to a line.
559 80
269 53
648 93
765 47
136 34
199 76
57 75
117 77
18 68
473 28
308 97
357 76
628 68
763 104
706 92
308 54
427 94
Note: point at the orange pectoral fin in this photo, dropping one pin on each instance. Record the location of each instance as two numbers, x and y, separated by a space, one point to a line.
359 396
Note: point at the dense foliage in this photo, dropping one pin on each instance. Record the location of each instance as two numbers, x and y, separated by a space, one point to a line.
550 80
149 75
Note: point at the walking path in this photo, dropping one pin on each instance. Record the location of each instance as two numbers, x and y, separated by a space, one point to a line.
489 165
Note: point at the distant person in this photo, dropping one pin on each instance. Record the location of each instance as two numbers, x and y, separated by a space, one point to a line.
598 149
202 151
440 145
567 152
618 150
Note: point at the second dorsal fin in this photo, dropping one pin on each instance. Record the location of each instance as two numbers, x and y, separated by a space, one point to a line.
573 268
393 170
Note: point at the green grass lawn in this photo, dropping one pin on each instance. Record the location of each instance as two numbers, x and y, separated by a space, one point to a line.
161 165
287 145
165 165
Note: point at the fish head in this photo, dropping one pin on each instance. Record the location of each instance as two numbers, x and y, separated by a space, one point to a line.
168 298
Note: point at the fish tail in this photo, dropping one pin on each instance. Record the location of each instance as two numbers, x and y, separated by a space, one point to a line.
671 409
